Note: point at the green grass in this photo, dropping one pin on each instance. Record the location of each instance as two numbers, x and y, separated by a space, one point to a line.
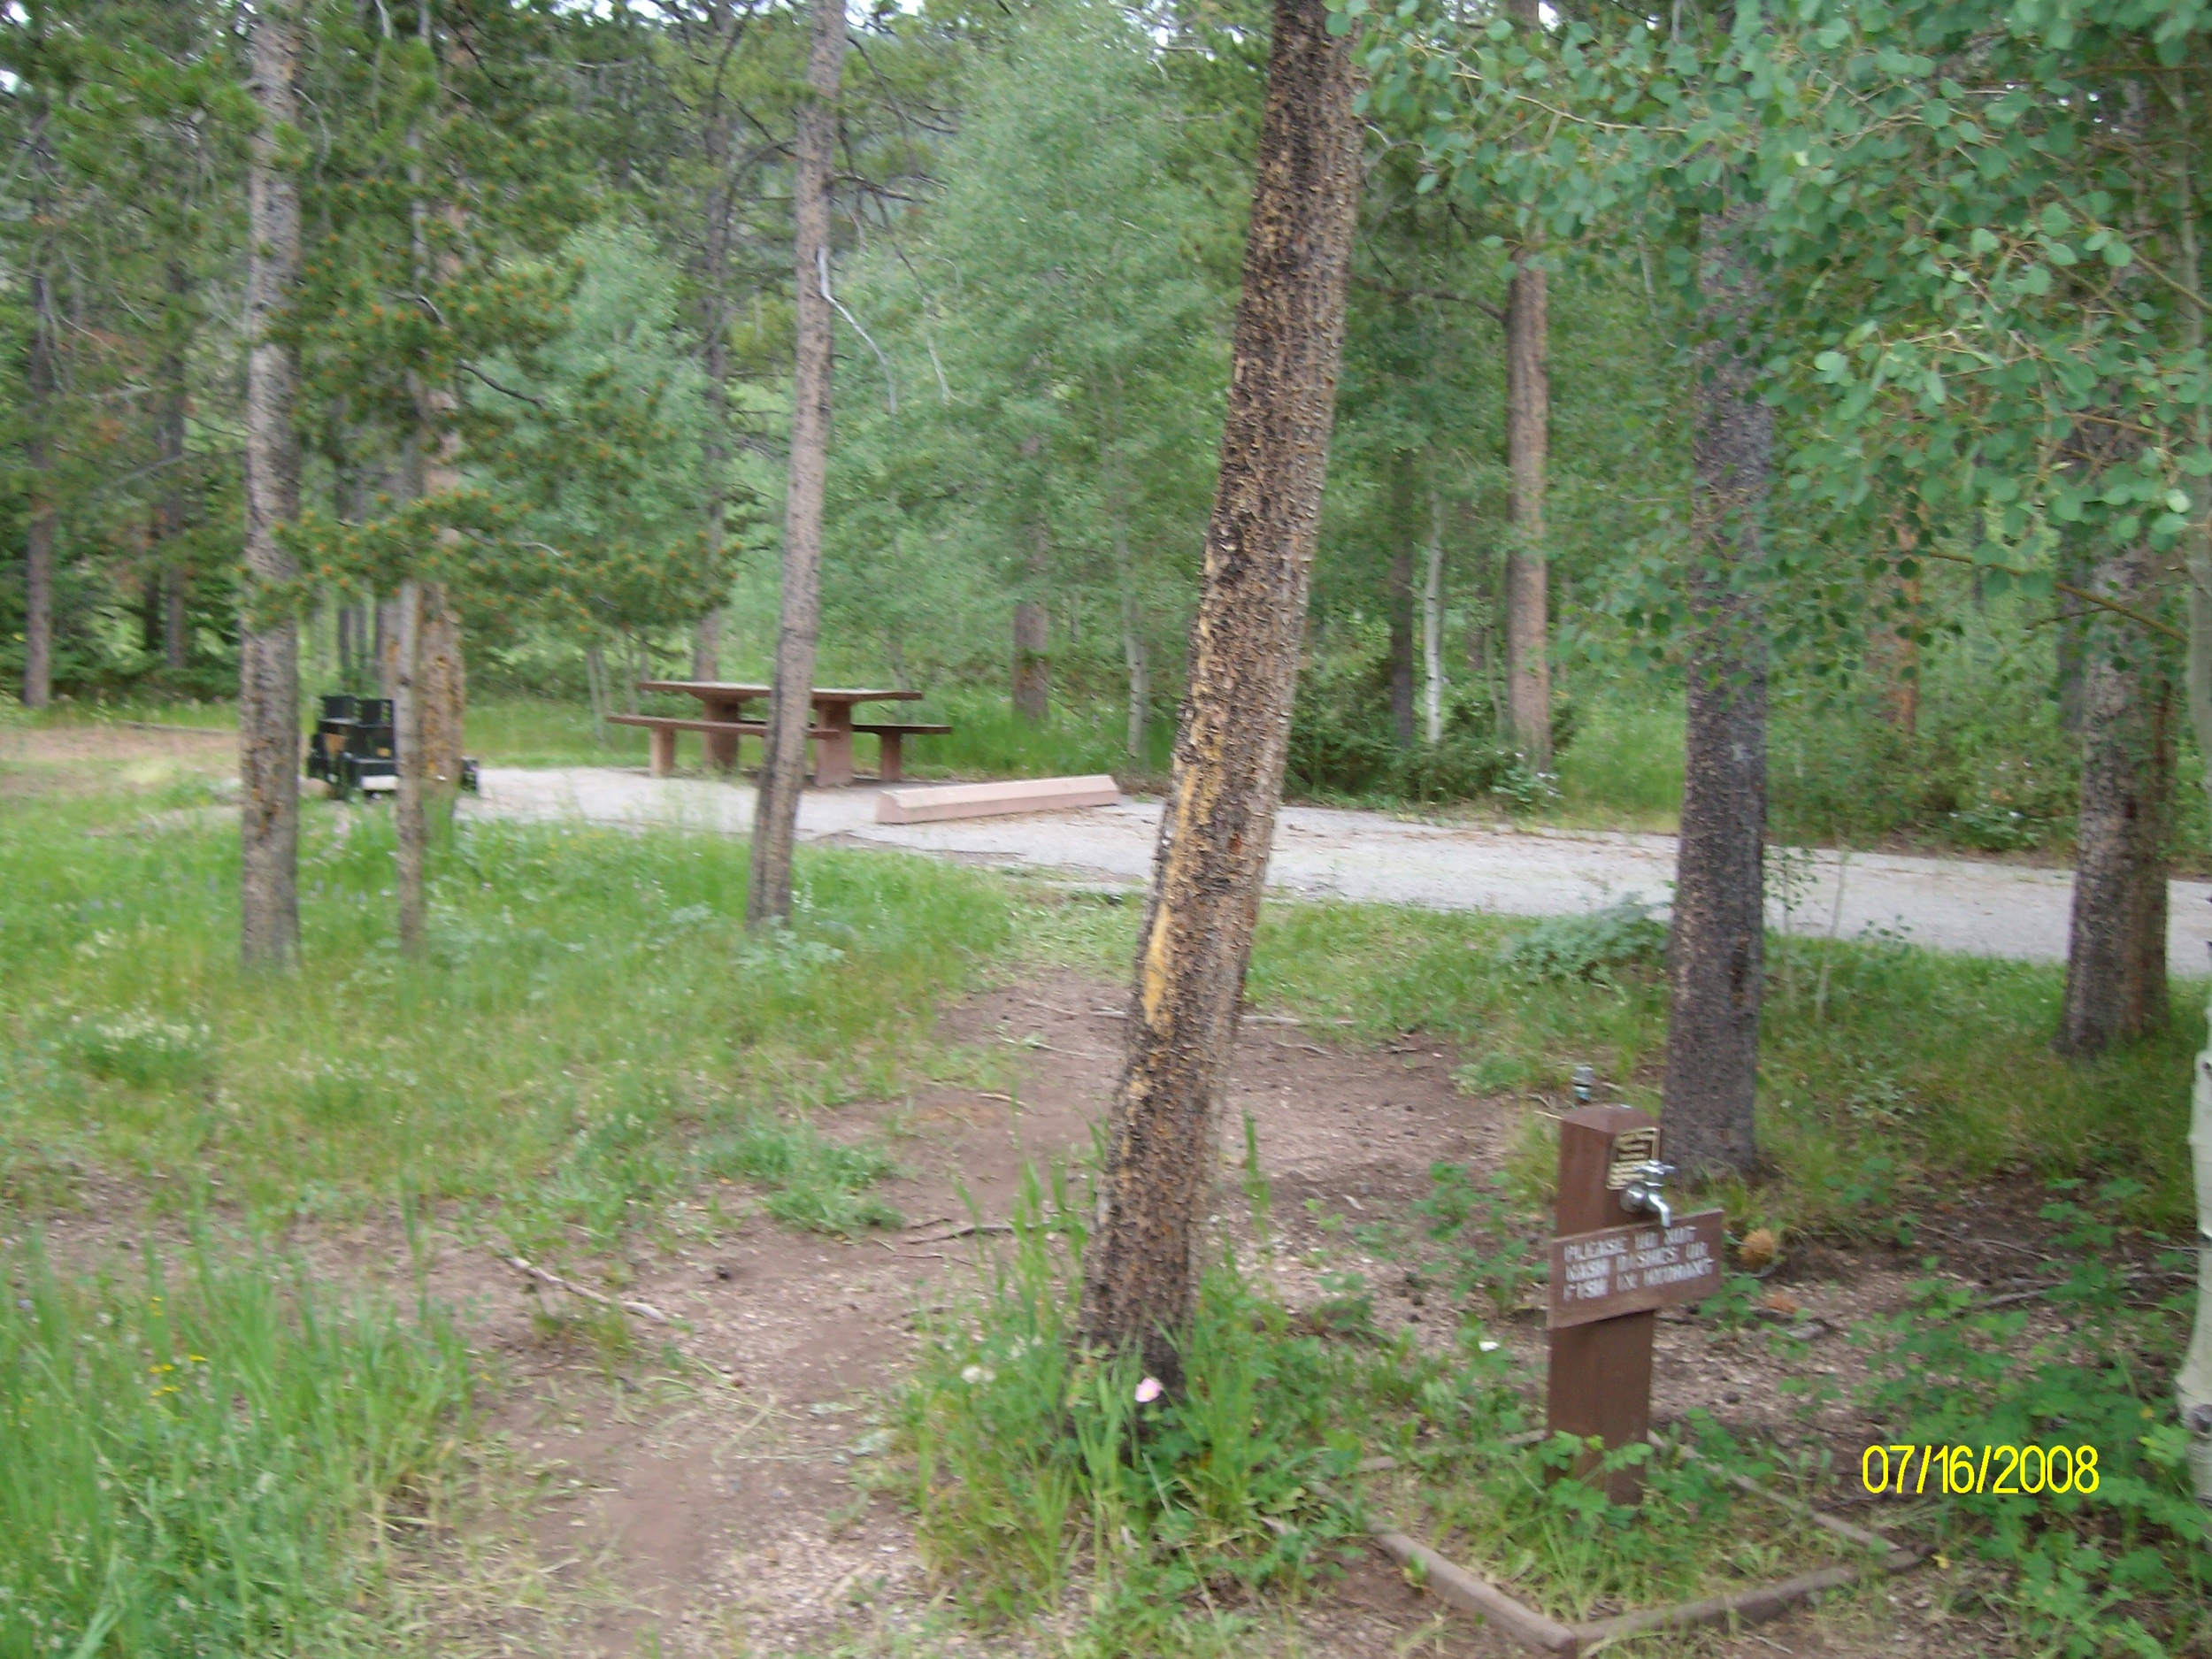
202 1464
590 1013
988 741
1916 1069
1623 769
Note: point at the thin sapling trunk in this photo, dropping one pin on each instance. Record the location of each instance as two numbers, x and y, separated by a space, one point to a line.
790 705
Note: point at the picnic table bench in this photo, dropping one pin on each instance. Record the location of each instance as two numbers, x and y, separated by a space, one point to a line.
723 722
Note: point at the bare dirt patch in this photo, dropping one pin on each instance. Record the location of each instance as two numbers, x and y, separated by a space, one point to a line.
91 757
706 1488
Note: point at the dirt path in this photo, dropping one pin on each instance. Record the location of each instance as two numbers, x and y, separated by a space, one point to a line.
721 1505
1950 904
738 1519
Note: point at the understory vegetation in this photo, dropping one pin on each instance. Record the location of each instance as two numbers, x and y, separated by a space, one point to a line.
594 1048
592 1032
209 1459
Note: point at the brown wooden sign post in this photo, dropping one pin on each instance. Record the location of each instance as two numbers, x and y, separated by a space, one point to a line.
1618 1256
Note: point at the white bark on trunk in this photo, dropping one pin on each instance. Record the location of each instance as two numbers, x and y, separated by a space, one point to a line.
407 801
1432 627
2192 1385
1134 653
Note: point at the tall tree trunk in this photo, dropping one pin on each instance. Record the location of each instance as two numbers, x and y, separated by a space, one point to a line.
1716 957
387 642
1901 695
40 412
791 706
1163 1143
706 646
1432 627
268 650
714 329
441 682
169 497
1032 662
1527 569
2115 950
1400 599
596 688
2072 644
1032 624
1528 445
2192 1383
410 813
1137 658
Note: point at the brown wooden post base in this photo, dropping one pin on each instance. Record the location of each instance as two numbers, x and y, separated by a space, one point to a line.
663 750
1599 1383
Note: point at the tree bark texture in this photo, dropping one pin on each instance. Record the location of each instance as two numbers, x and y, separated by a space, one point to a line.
410 816
1163 1143
2116 948
1032 662
1136 658
38 456
387 648
1401 600
1528 447
1432 627
268 645
169 497
706 646
2193 1382
1527 569
1716 956
790 705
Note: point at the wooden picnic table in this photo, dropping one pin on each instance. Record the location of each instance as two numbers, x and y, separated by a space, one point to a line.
722 707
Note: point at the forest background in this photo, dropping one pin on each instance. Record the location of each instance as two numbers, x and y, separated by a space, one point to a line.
1038 218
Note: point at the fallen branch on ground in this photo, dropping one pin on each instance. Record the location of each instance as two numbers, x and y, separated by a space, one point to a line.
643 1309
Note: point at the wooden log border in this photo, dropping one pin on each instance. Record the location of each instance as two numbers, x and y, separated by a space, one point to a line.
1473 1593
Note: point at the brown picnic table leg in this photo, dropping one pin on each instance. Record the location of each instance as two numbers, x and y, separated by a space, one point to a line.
663 750
833 754
721 747
889 769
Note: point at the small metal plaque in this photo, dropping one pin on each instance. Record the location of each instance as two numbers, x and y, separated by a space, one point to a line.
1634 1269
1632 1148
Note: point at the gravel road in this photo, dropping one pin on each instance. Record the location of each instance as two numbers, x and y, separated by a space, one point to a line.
1321 853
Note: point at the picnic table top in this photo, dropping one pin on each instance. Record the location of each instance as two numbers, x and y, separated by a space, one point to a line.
716 690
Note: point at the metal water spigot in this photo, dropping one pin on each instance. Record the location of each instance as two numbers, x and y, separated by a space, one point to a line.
1643 1191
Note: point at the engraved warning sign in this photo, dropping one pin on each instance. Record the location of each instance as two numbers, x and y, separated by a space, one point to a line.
1633 1269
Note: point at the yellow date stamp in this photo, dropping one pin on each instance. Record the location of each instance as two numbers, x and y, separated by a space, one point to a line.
1912 1471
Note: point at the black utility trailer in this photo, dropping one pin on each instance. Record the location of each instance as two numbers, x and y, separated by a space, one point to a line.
352 750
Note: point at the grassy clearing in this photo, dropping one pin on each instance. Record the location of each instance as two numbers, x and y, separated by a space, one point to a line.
591 1029
1887 1072
203 1463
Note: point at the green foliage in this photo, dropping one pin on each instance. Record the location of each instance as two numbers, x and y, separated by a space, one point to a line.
812 1182
1561 1544
1341 742
2123 1569
195 1460
1919 1068
1591 946
590 1018
1484 1236
1038 1466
